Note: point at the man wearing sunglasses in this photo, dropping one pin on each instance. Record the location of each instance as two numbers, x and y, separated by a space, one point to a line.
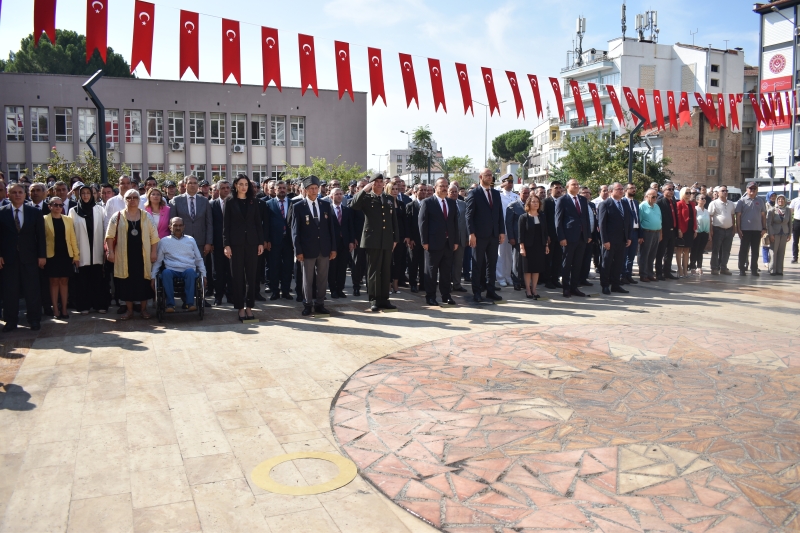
721 212
669 231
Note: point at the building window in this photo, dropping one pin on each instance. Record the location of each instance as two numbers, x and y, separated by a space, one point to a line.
218 172
87 124
112 126
136 171
40 124
259 172
15 123
258 130
217 129
712 143
714 83
239 169
712 171
298 131
239 128
133 126
278 126
15 170
180 170
714 68
175 124
155 127
399 158
277 171
198 171
63 124
197 127
154 169
610 79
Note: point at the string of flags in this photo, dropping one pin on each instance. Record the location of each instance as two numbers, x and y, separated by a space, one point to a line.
768 107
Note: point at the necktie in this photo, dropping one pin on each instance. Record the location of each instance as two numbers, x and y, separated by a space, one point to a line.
619 206
633 211
39 207
577 204
314 210
16 219
489 195
191 207
673 209
444 208
283 211
339 214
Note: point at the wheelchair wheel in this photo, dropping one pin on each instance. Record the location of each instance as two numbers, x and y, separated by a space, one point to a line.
161 299
201 297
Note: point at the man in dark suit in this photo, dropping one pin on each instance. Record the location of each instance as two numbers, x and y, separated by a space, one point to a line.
22 255
573 234
594 225
615 236
280 248
637 235
486 232
358 260
515 210
313 237
462 240
222 265
554 259
669 232
344 243
193 208
298 267
438 231
416 255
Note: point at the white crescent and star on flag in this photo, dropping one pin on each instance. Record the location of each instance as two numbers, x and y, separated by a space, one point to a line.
375 60
462 75
307 48
146 14
407 66
488 78
343 54
270 42
97 5
231 35
435 71
187 24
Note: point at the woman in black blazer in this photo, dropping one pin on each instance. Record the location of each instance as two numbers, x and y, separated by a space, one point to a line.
243 239
533 244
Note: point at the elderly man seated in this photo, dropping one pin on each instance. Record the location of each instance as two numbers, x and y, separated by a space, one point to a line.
182 260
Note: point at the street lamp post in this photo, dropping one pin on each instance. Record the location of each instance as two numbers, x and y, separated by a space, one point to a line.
379 160
486 129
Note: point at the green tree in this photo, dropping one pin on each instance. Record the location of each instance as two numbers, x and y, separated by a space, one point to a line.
325 171
422 143
452 166
87 166
67 56
513 145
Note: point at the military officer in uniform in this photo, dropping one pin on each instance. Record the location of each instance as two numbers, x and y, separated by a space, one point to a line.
379 239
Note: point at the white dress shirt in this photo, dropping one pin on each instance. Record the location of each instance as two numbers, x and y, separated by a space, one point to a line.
21 214
632 204
795 207
311 208
179 255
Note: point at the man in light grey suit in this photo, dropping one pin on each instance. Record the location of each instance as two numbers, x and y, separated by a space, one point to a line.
515 210
461 240
195 211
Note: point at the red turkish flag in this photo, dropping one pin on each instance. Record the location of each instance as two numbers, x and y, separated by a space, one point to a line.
376 75
144 15
231 55
684 111
537 99
435 70
96 28
766 110
308 64
190 43
612 93
777 108
659 108
598 107
757 110
44 20
709 112
270 57
789 109
559 101
466 92
409 82
512 80
673 117
491 95
343 76
723 121
734 111
578 100
643 107
632 104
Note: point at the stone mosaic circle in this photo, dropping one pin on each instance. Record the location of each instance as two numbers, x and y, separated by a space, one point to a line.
561 429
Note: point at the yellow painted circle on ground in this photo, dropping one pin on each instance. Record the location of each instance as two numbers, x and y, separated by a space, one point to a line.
261 474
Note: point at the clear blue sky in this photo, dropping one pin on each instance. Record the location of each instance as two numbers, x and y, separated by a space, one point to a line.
524 36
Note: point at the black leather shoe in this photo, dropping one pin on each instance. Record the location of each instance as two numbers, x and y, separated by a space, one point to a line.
414 288
623 281
756 274
286 296
387 305
606 290
661 278
342 295
299 298
260 297
356 292
497 288
577 292
558 285
517 287
321 310
373 306
586 283
432 301
670 276
306 311
335 295
631 281
477 298
620 290
9 327
460 289
567 294
275 296
36 326
493 296
448 301
549 285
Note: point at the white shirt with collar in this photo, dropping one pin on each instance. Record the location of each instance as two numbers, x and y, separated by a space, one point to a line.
634 213
795 207
189 199
38 206
311 208
21 213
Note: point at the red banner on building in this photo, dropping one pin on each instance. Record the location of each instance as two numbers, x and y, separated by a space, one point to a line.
643 108
437 86
673 116
44 20
707 110
343 75
722 120
190 43
757 111
231 54
466 92
598 107
409 81
612 94
537 99
630 99
578 101
308 64
659 108
512 80
734 111
376 75
96 28
144 18
559 100
684 111
270 58
491 94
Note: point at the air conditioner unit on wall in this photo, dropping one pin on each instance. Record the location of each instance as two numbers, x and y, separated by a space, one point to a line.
177 147
111 145
238 148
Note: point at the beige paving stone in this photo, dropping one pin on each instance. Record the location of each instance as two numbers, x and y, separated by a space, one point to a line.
232 404
145 396
172 518
254 376
68 375
365 513
106 356
73 358
178 385
150 429
298 385
62 453
299 437
211 468
318 411
224 391
10 467
106 514
141 367
309 521
100 467
196 426
161 486
173 362
155 457
228 506
272 504
239 418
314 445
288 422
60 417
104 412
40 501
271 399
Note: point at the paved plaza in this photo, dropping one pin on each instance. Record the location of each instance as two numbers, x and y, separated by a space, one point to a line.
673 408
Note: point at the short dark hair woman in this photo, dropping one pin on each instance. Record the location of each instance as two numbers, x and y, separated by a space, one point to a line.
243 239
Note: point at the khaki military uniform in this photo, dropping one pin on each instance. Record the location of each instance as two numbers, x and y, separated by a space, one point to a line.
379 237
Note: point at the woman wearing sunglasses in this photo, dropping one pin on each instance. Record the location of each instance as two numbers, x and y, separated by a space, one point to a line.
62 253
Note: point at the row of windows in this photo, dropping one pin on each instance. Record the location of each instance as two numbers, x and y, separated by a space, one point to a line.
132 126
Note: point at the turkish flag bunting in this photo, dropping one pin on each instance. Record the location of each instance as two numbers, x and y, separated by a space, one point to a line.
491 95
757 109
512 80
96 28
777 108
734 111
709 112
658 105
343 76
766 110
559 101
376 75
578 100
537 99
231 55
673 117
466 92
712 109
44 20
612 93
190 43
632 103
684 111
436 84
409 81
643 107
144 15
270 57
722 120
598 108
790 108
308 64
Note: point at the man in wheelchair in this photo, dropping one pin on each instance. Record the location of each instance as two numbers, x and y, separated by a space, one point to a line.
182 260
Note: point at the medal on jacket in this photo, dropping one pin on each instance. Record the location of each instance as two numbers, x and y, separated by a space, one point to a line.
134 231
326 216
308 220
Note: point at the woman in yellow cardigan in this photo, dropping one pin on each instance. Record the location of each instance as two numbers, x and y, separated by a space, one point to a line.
62 253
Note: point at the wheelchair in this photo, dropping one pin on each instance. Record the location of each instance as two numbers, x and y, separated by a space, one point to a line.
180 292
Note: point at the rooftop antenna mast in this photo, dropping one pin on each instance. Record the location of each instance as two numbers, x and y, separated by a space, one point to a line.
624 27
648 21
580 31
693 33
